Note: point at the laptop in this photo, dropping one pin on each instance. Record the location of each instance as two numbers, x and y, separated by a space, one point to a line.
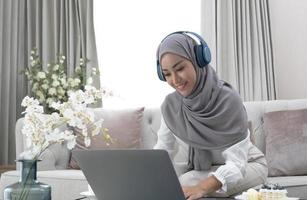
130 174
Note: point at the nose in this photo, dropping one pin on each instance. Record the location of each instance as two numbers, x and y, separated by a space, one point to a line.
176 79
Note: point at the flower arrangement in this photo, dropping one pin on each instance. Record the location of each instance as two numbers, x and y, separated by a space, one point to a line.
42 130
58 107
53 84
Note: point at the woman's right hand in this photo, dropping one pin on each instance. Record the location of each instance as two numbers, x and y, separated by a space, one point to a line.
193 192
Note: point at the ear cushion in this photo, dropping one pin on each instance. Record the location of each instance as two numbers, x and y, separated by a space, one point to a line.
202 54
207 54
201 50
199 56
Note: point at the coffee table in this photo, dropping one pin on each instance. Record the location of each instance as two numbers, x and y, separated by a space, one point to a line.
90 196
217 198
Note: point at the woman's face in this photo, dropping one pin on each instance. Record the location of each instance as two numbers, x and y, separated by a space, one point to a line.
179 73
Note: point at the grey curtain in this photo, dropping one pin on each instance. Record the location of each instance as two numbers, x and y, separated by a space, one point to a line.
53 26
240 38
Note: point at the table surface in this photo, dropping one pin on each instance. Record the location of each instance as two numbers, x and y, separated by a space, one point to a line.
218 198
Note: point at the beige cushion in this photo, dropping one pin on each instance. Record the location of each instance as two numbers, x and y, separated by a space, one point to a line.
251 131
124 127
286 142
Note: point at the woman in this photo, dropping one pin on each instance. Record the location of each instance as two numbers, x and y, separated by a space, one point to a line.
208 116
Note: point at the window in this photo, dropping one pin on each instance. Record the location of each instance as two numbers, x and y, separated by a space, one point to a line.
127 36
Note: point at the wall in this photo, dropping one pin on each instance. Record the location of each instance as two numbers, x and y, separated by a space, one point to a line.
289 33
127 37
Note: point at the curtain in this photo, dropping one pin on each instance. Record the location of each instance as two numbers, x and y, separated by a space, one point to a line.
52 26
239 35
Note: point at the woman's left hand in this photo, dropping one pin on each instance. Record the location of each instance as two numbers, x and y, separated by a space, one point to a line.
193 192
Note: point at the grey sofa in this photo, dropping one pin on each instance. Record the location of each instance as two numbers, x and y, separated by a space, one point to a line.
67 184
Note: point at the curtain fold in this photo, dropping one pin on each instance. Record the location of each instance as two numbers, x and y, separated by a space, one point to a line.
57 26
242 45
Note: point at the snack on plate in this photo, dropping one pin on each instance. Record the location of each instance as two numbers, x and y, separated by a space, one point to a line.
267 192
272 192
252 194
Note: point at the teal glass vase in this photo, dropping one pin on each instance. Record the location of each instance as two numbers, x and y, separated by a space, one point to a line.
28 188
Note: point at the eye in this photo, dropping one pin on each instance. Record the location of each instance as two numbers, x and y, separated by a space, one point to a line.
180 68
166 74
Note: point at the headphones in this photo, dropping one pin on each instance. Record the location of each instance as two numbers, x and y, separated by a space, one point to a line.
201 50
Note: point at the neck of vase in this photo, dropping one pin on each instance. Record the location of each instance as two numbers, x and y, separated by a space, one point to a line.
28 171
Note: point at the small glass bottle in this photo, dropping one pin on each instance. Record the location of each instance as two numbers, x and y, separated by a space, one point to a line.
28 188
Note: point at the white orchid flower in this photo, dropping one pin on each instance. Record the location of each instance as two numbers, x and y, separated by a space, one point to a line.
45 86
89 80
71 143
54 76
55 83
87 141
52 91
56 105
27 155
41 75
29 101
42 130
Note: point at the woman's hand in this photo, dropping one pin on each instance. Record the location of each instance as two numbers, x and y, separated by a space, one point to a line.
193 192
204 187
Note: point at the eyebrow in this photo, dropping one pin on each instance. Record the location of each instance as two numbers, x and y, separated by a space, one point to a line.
180 61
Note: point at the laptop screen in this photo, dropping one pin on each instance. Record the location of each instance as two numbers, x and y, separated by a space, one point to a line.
130 174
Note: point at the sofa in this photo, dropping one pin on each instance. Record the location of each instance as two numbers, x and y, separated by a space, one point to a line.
68 183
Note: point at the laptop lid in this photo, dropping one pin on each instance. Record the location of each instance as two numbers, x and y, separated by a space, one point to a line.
130 174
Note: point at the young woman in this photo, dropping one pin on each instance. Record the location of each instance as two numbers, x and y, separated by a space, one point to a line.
207 116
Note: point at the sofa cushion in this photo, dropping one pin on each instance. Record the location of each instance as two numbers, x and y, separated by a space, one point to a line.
286 142
251 131
124 127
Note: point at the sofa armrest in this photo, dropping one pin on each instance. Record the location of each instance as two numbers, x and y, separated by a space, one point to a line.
55 157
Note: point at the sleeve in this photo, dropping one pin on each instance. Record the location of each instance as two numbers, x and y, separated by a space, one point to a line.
166 139
233 170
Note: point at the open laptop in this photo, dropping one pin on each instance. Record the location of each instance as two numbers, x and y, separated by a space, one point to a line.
130 174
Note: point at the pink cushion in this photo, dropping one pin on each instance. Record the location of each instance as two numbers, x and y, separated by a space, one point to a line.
286 142
124 127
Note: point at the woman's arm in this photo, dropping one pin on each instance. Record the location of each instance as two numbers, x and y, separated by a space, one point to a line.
236 158
231 172
166 139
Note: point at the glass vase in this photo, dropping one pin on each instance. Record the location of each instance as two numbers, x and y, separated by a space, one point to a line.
28 188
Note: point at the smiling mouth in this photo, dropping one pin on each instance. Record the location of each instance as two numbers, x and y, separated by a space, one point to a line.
181 87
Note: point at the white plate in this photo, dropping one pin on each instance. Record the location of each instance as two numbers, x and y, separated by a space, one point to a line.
89 195
240 197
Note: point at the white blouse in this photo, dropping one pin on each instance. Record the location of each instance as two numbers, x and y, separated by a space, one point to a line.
234 157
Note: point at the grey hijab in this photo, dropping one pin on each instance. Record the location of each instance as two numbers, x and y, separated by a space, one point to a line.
211 117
